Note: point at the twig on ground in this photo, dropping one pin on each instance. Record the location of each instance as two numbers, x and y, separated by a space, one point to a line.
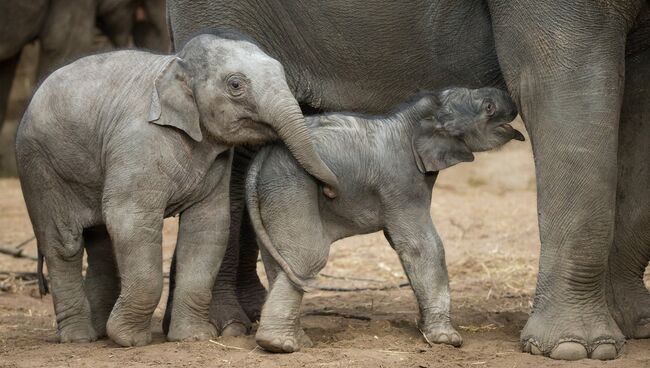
337 314
343 289
226 346
16 253
25 242
395 352
349 278
25 276
425 335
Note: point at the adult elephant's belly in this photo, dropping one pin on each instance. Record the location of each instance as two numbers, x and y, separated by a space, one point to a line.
358 55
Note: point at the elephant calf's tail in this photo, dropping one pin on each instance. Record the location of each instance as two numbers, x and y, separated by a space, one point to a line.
43 288
252 201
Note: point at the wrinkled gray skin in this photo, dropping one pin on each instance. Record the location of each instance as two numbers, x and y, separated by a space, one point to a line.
386 167
65 30
578 72
113 143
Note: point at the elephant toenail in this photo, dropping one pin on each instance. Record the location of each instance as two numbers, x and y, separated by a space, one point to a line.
604 352
569 351
443 338
456 340
288 346
534 350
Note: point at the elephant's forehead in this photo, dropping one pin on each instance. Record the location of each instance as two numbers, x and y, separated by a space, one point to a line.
242 54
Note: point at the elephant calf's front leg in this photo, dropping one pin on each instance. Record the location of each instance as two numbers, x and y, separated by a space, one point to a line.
202 241
136 233
423 257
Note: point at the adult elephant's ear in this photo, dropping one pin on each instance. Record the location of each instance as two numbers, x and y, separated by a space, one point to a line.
172 101
435 149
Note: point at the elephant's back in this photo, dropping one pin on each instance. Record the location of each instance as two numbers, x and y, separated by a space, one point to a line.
97 88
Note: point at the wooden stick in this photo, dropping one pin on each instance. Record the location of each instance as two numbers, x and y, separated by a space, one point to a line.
337 314
349 278
226 346
25 242
342 289
16 253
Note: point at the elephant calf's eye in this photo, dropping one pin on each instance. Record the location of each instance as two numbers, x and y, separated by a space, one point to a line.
235 85
490 108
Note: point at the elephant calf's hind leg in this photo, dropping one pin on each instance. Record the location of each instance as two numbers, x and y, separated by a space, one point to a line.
102 279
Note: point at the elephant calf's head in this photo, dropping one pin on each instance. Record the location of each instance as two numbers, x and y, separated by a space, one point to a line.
226 88
463 121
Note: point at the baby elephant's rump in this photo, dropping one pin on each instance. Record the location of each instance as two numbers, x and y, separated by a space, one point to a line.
386 168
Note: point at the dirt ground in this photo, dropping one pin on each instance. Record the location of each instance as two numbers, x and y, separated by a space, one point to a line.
485 213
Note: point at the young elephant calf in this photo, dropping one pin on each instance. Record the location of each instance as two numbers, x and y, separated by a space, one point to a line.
113 143
386 168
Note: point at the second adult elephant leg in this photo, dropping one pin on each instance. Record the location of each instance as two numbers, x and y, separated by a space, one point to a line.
225 311
250 291
67 33
7 73
629 297
569 87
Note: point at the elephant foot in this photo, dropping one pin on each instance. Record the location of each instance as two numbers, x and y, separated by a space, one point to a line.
573 334
443 333
229 319
235 328
191 331
284 340
251 299
126 333
629 303
81 332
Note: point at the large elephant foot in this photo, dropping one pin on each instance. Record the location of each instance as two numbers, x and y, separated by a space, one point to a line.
128 330
282 339
573 333
442 333
629 303
191 331
229 318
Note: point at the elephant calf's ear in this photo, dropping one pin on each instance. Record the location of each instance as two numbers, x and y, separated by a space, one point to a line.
172 101
435 150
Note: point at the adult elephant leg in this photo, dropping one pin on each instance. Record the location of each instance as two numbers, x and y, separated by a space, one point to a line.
250 291
225 311
66 33
7 73
569 83
102 282
629 298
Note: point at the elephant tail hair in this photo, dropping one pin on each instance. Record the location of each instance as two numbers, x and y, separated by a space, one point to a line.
43 288
252 201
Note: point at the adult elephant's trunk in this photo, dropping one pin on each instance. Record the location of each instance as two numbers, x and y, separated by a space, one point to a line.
280 110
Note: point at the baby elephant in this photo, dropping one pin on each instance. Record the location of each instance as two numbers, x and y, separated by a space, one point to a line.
113 143
386 168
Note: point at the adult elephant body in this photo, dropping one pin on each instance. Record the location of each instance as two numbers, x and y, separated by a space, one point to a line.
564 63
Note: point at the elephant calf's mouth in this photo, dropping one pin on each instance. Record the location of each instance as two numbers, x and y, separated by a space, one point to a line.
516 135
